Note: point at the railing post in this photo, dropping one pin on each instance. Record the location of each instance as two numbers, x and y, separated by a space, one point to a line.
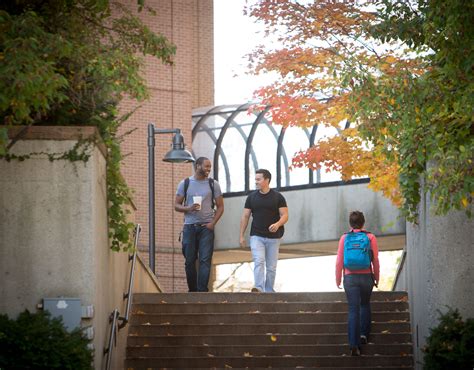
151 196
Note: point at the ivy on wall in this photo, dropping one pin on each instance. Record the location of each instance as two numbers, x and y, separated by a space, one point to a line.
71 62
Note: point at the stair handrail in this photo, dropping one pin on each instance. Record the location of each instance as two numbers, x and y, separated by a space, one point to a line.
112 338
128 296
115 315
399 268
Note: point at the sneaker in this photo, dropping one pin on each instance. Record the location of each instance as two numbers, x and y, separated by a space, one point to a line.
355 351
256 290
363 339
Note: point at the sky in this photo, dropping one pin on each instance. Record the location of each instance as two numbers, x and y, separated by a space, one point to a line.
235 35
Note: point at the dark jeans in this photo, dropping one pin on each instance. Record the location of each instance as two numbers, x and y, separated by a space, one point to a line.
198 244
358 289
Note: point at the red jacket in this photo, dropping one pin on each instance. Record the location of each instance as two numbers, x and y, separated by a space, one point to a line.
340 259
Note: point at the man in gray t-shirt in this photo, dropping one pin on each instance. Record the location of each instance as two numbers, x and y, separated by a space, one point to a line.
196 202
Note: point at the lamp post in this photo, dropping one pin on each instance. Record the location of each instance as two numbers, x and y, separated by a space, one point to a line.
177 154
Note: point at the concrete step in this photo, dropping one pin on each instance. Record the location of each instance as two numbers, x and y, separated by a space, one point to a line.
299 367
268 361
155 298
275 349
259 317
263 330
206 329
212 307
259 339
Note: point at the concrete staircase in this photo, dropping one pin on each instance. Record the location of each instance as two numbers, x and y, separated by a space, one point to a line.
256 330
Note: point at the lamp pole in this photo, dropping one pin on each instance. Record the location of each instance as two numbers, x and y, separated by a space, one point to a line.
176 155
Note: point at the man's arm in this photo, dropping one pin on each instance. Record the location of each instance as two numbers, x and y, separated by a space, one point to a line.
180 207
218 214
244 221
283 220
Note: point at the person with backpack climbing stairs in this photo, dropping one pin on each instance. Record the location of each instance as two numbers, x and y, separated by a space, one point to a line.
357 258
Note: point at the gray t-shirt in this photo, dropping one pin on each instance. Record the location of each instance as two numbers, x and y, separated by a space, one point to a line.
202 188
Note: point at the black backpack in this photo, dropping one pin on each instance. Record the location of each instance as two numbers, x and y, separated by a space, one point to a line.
211 185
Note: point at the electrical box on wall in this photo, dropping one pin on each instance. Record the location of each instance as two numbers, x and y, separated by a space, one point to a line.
68 308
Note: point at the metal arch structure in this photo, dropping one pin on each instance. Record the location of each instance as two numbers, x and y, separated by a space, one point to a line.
248 147
209 132
228 114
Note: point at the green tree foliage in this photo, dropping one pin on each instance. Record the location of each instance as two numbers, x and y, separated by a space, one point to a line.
36 341
70 62
450 344
400 71
434 111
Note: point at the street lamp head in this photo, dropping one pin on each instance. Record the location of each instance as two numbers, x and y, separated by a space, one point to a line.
178 154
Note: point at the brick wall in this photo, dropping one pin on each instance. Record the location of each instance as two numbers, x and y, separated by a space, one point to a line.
175 91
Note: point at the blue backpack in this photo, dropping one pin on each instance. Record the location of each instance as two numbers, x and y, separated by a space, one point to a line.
357 252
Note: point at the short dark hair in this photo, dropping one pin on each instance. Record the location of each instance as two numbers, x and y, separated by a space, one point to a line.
266 174
200 161
356 220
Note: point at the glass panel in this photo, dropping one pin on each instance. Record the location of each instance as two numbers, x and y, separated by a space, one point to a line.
264 145
295 140
233 146
322 133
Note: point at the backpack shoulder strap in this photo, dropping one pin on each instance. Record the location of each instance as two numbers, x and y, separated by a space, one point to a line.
211 185
186 186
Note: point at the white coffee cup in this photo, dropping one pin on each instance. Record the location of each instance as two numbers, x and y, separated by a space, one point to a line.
197 199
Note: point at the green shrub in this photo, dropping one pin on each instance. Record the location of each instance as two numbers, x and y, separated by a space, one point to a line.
37 341
450 344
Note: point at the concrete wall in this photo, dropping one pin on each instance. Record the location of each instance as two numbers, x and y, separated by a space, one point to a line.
318 214
53 223
438 270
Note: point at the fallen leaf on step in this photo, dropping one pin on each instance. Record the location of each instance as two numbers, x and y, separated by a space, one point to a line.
163 302
227 366
273 338
146 345
403 299
147 323
287 356
205 344
166 323
385 331
224 302
247 354
133 335
139 312
255 311
210 355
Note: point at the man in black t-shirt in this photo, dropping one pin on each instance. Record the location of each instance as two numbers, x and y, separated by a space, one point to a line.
269 213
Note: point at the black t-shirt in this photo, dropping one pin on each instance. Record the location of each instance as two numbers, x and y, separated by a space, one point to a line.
265 212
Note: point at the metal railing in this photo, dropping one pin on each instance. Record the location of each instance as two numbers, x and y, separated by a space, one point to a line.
115 317
112 338
401 264
128 296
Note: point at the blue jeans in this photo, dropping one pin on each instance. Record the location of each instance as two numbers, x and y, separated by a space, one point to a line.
265 256
358 289
198 244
